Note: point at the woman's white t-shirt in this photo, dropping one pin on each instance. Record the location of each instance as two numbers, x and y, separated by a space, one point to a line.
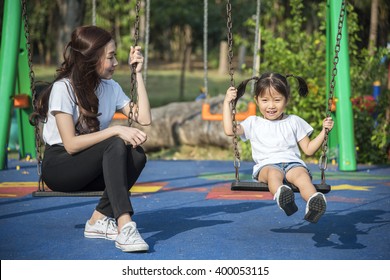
62 99
275 141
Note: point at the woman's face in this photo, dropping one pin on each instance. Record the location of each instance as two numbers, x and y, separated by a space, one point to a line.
108 62
271 104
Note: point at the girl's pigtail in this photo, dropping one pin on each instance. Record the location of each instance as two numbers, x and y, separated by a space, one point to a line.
241 88
302 86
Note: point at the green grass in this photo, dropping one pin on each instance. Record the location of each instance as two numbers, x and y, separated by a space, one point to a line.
163 86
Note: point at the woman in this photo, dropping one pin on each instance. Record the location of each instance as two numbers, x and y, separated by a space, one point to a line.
84 153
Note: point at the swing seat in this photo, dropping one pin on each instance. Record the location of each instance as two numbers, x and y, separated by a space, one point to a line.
208 116
22 101
263 187
119 116
41 193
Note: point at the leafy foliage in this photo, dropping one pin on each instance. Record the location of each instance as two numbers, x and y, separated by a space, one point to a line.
372 132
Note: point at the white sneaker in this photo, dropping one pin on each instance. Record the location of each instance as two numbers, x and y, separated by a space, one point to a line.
129 239
105 228
286 200
315 207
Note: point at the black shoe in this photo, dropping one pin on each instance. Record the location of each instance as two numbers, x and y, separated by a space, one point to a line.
315 208
286 200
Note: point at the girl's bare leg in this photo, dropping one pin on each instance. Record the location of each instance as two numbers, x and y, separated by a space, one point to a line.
300 178
271 176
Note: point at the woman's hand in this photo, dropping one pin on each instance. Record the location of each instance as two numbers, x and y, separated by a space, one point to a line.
136 58
131 136
231 94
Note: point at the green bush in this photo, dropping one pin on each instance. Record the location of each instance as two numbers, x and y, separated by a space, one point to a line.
371 124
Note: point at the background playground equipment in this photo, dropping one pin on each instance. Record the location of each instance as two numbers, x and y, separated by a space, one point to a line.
341 139
251 108
376 89
208 116
14 83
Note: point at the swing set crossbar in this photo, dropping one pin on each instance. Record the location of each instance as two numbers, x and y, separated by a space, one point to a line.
263 187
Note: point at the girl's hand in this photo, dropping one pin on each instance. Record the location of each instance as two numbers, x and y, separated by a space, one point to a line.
136 57
328 123
131 136
231 94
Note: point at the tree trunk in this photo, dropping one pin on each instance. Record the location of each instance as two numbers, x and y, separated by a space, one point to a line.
223 58
118 38
71 15
186 58
41 52
241 57
373 27
182 77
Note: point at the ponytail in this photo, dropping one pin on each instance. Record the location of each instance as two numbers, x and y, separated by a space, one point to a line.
302 86
242 86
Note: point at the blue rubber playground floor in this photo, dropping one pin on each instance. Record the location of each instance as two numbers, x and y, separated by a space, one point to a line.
185 210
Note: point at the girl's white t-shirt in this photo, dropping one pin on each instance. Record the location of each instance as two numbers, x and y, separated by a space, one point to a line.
275 141
62 99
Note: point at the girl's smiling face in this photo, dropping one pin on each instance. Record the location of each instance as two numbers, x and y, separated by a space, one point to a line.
108 62
271 104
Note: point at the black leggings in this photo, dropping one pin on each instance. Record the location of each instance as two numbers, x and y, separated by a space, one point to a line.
109 166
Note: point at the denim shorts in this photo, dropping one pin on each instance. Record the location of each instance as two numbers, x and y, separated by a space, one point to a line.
284 167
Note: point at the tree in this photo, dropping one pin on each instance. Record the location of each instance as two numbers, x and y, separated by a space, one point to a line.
373 27
70 15
41 15
373 14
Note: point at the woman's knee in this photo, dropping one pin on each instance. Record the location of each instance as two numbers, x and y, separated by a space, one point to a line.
139 157
116 145
136 163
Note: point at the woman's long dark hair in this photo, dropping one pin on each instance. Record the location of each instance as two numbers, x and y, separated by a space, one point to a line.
82 56
273 80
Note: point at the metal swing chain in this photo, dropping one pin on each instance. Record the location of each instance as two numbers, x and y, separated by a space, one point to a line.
233 103
205 49
230 41
37 131
133 76
323 158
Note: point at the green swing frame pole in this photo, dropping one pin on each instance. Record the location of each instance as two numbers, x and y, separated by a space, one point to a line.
333 143
26 133
342 137
8 63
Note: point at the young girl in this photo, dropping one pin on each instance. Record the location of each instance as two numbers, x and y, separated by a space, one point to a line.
275 140
82 152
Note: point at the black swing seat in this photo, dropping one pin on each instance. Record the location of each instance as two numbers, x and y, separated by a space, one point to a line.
66 194
263 187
